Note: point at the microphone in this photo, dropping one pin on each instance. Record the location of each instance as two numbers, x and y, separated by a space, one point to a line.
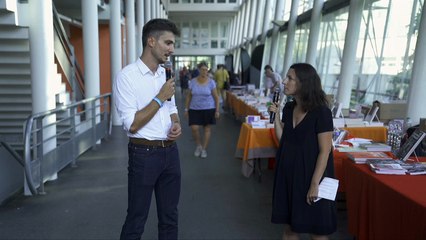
168 67
275 99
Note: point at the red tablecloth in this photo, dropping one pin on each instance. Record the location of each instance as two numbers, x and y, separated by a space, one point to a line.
384 206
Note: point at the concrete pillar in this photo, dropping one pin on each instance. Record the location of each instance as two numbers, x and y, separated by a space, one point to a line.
279 16
116 53
130 31
415 105
266 20
43 69
349 53
147 9
291 31
140 17
91 49
314 32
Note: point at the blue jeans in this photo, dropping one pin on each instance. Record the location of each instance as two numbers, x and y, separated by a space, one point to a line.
152 169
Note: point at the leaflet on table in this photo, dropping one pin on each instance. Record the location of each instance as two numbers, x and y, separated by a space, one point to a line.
328 189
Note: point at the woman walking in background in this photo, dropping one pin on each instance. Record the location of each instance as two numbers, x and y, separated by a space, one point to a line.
304 157
202 108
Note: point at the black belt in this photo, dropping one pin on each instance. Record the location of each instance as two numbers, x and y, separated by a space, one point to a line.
152 143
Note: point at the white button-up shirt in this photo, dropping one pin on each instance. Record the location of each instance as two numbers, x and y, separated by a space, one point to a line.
135 87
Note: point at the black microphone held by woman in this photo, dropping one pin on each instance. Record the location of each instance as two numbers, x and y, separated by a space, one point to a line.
275 99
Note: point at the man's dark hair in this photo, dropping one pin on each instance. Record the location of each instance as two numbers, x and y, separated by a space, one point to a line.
155 27
268 67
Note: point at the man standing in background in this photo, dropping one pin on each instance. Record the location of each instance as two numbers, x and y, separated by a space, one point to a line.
221 76
272 81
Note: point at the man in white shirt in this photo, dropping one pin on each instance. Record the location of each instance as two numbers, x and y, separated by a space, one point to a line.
272 81
146 106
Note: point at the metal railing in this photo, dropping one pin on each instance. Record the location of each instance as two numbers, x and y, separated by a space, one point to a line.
55 138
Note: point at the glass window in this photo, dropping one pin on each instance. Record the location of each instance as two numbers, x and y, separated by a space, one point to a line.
223 29
330 49
223 44
209 1
221 1
213 44
214 30
198 1
174 1
301 43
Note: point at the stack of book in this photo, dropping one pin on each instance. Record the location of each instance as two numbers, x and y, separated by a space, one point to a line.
394 166
376 147
362 157
416 168
388 168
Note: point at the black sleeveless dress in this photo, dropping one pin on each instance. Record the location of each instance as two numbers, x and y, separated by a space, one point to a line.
296 159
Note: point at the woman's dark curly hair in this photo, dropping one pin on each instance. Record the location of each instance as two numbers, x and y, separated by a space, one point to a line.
309 86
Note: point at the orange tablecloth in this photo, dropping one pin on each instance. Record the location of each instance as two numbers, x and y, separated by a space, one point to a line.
384 206
255 143
238 107
377 134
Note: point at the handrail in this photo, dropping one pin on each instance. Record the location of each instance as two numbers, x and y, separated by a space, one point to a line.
75 77
28 130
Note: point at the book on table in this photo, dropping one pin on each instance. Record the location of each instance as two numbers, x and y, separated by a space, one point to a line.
362 157
416 168
376 147
388 168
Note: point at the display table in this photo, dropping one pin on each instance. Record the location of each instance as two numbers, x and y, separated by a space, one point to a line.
238 107
384 206
253 145
377 134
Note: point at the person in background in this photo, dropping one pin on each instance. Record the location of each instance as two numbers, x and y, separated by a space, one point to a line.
184 76
304 157
221 76
202 109
272 80
152 124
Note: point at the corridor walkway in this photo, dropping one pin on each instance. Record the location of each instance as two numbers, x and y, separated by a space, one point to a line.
90 200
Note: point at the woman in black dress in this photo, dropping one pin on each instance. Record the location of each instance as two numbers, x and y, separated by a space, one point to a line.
304 157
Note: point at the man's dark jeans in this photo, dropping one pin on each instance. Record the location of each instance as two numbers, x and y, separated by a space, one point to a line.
152 169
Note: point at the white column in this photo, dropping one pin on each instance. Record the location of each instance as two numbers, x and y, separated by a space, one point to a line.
130 31
154 6
91 48
257 28
291 31
232 34
415 105
245 21
252 18
239 29
116 54
43 71
349 53
314 32
266 20
147 11
139 25
42 55
279 16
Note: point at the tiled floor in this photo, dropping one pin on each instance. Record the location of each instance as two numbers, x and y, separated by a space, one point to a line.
89 201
